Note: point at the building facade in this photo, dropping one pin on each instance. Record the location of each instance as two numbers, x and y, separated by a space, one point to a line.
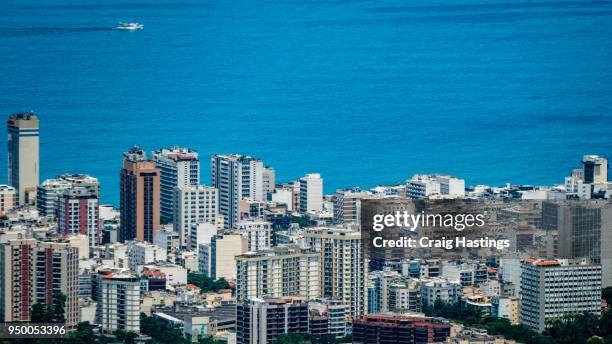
78 212
193 204
118 302
23 159
222 253
8 199
311 193
258 234
382 329
33 272
551 289
179 167
277 272
236 177
261 321
50 190
344 269
139 197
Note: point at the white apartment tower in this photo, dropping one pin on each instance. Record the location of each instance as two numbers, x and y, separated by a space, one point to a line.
311 193
193 204
345 270
236 177
279 271
23 160
552 288
119 303
258 234
178 167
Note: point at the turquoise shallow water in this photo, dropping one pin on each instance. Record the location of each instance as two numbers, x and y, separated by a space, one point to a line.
364 92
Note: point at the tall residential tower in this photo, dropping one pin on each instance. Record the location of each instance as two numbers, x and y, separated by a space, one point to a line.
139 197
23 163
236 177
179 167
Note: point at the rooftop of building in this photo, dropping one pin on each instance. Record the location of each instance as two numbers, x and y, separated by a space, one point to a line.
333 231
558 262
283 250
234 156
176 153
121 276
135 154
222 312
6 188
278 300
402 321
23 119
594 159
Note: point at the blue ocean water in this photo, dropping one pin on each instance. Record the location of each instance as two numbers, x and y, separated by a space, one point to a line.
364 92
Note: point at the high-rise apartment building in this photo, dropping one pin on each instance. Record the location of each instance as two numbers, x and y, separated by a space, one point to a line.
347 205
553 288
193 204
56 270
219 256
311 193
32 272
584 230
16 286
261 321
595 169
258 234
50 190
139 197
118 305
269 181
179 167
279 271
344 272
78 212
23 160
236 177
8 199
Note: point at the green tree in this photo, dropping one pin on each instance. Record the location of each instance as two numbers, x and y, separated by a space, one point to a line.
293 338
205 283
58 304
40 313
161 331
50 313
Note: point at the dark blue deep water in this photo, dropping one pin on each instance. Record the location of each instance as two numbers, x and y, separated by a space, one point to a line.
364 92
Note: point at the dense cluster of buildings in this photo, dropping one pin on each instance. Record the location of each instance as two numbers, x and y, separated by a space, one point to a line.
292 255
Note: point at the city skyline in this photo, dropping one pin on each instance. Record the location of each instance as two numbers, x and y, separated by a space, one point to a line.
313 172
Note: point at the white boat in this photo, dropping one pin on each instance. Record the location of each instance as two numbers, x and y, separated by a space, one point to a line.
130 26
